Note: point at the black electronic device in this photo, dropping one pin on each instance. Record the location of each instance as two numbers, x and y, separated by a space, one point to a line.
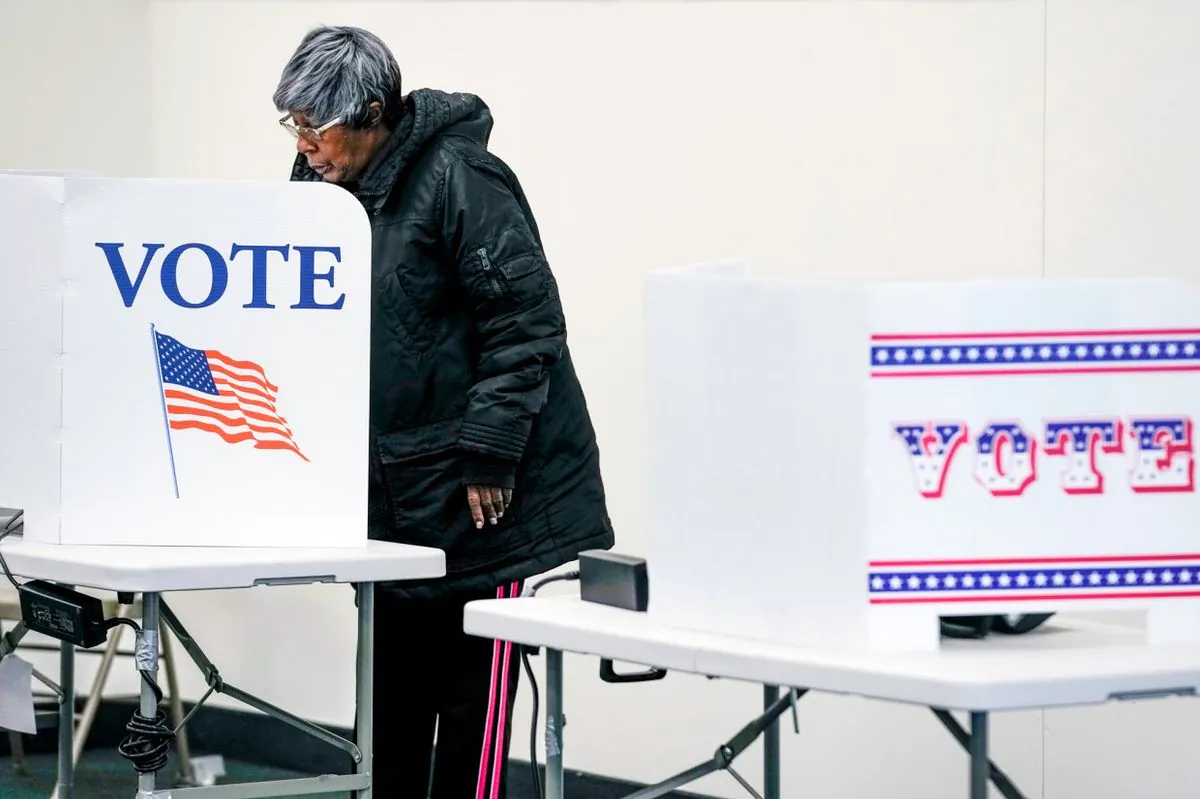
612 579
608 673
63 614
983 626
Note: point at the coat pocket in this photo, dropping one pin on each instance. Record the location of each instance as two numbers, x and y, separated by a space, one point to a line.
404 446
422 473
515 280
422 478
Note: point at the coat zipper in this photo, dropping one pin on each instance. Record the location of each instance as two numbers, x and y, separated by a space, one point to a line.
487 269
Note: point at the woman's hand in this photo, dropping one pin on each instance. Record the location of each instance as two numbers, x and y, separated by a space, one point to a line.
487 503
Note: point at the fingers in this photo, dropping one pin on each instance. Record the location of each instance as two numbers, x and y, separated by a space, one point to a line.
489 508
487 504
484 508
475 503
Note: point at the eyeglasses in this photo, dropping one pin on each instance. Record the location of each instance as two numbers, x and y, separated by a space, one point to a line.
312 134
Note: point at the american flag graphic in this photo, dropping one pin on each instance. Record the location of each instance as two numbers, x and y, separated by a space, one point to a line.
1048 352
207 390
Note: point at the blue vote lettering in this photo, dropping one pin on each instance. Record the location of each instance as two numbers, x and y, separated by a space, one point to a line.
170 276
208 257
309 275
258 270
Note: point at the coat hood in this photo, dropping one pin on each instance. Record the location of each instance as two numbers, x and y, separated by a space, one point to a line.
428 114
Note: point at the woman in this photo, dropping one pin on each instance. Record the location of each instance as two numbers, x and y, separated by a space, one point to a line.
481 441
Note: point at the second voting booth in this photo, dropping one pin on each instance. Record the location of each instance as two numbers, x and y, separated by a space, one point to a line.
840 465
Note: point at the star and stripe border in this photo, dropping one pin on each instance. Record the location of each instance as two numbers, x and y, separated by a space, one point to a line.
1034 579
1047 352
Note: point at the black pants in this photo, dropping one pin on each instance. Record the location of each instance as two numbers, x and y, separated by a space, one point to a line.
428 671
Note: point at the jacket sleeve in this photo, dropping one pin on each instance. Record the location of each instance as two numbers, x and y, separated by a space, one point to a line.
518 318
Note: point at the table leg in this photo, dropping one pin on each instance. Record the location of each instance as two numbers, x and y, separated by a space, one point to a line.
365 700
183 749
770 746
979 755
146 659
555 721
65 789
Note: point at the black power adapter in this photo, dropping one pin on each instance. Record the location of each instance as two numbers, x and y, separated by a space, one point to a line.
612 579
63 614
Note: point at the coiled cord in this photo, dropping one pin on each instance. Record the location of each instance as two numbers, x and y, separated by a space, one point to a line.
148 743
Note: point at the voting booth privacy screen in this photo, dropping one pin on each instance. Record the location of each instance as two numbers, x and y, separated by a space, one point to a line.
184 362
840 465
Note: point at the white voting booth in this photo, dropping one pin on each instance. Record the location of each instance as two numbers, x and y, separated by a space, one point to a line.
838 465
184 362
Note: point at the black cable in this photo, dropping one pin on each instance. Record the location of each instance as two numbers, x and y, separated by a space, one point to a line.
16 520
4 565
118 621
537 775
149 739
533 759
554 578
11 527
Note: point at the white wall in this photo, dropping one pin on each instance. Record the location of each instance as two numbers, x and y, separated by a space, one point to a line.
853 140
75 82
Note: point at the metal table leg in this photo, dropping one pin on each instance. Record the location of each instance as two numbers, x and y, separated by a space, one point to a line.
147 660
366 684
979 755
770 746
65 789
183 747
555 721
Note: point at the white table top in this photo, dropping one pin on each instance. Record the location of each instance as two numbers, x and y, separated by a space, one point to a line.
142 569
1064 663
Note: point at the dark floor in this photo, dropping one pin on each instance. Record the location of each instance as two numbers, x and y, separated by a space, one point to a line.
267 749
103 774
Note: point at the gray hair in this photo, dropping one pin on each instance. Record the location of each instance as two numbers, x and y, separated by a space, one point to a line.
336 72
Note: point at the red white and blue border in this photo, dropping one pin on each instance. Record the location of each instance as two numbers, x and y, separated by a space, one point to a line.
1049 352
1104 577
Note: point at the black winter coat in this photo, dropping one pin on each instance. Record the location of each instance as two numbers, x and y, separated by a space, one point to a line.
471 378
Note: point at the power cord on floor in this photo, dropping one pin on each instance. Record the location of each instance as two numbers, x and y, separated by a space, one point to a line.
533 687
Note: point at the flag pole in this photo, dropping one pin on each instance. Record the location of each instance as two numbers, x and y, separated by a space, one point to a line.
162 395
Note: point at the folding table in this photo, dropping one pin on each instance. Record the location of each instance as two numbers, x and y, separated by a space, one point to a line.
1065 663
151 571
